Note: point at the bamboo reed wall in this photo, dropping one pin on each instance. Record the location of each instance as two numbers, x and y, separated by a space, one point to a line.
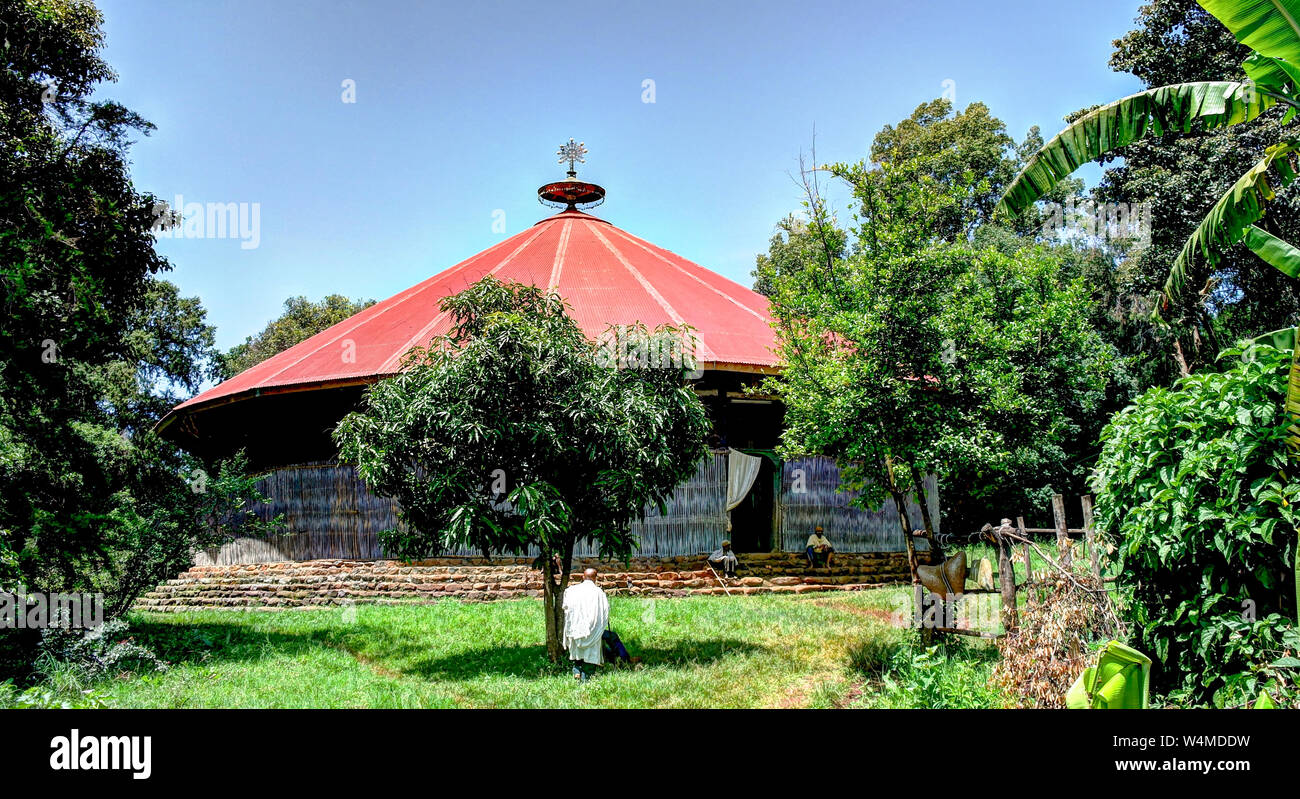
329 513
696 514
849 529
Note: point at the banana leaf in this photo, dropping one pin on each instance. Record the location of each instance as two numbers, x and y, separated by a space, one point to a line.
1153 112
1271 73
1277 253
1236 211
1269 27
1272 29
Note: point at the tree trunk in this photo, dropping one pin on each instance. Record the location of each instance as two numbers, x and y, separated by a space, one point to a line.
923 501
1006 580
1183 370
553 599
903 522
900 502
552 605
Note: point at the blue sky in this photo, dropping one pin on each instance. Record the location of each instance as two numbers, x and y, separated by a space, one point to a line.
460 107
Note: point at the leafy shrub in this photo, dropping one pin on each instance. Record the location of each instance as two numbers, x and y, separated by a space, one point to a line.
1192 486
947 675
1257 642
44 697
69 659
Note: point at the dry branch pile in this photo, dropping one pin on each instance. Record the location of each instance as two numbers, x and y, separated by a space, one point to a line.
1064 617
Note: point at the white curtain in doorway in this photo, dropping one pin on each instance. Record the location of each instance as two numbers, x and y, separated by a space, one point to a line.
742 470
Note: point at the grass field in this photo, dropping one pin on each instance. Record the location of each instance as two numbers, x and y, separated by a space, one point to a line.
820 650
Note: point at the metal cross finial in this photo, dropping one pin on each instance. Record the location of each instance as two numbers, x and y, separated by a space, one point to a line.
573 152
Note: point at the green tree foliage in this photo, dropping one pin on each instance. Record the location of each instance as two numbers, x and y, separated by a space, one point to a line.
1177 41
94 347
513 433
1192 489
972 362
793 247
967 151
301 320
927 195
970 149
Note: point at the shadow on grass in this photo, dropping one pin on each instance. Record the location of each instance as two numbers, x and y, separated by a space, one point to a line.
216 642
530 661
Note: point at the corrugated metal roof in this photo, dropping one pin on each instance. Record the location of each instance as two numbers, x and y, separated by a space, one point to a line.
607 275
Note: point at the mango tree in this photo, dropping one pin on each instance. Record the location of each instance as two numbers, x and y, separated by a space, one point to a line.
515 433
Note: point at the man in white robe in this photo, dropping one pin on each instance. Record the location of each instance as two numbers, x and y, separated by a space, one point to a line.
586 614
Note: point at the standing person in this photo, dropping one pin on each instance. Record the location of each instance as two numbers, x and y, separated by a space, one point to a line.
586 614
819 547
723 558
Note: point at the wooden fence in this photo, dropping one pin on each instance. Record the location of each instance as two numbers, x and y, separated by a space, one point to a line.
1014 545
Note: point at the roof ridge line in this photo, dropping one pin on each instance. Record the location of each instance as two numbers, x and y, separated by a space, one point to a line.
653 292
561 249
397 357
643 245
419 288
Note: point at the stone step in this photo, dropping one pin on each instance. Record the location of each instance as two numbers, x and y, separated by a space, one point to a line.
327 583
195 604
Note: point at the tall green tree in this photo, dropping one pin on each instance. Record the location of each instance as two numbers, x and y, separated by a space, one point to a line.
1271 31
968 151
1177 41
516 432
94 345
301 320
1273 68
914 354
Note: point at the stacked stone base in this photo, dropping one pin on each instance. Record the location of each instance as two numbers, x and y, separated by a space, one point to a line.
320 583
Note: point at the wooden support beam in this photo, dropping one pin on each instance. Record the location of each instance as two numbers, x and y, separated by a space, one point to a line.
1062 532
1007 579
1026 551
1090 536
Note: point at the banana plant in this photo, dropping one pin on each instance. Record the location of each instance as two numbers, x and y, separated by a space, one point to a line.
1271 29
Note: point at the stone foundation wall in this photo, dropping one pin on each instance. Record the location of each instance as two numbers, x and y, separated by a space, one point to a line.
294 584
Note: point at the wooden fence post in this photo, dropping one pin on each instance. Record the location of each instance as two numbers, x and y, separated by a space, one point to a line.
1089 536
1028 555
1062 531
1007 578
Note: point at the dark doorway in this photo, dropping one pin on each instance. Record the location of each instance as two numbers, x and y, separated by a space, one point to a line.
751 520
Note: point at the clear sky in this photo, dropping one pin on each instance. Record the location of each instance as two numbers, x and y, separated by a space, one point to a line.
459 108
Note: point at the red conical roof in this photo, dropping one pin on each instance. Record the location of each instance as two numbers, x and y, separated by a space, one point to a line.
607 275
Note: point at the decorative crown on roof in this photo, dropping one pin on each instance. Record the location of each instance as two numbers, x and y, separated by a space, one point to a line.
571 192
573 152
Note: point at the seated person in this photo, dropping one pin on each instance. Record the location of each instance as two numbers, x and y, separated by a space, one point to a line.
819 548
725 560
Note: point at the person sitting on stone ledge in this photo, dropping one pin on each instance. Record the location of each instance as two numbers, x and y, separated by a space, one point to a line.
725 560
819 549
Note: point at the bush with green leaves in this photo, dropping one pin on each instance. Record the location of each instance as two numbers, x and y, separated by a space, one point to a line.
1195 490
44 697
951 674
75 657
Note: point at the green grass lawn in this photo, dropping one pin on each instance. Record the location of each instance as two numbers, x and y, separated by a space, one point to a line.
818 650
